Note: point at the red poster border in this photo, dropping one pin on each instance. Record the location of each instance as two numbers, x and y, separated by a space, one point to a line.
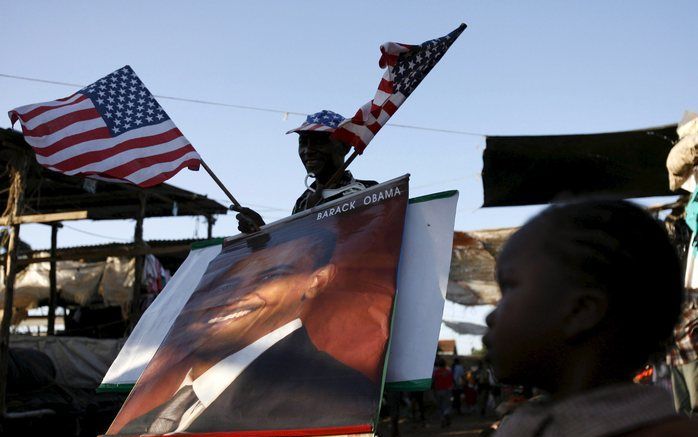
335 430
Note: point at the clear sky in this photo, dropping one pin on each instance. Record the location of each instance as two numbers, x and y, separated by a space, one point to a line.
537 67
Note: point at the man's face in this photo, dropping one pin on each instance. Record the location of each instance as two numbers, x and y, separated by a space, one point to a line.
524 336
255 296
319 154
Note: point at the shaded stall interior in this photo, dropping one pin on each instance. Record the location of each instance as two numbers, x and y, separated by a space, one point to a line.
48 382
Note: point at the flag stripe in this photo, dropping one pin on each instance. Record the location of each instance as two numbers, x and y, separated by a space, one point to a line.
73 129
374 128
62 122
98 142
57 111
140 167
98 135
68 160
390 108
190 160
386 86
191 164
126 156
30 111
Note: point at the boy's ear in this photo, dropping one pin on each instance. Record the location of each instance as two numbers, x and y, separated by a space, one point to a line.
587 310
319 280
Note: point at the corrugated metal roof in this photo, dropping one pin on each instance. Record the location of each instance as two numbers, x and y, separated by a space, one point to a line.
50 192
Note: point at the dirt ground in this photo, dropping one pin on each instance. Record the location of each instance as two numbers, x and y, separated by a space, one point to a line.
461 425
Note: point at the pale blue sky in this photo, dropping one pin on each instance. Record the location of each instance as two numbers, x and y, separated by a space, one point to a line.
536 67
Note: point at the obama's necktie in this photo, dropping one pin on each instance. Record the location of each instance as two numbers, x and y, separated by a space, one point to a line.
171 415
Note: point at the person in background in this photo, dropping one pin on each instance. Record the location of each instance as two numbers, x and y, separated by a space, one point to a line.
589 291
458 380
322 156
443 384
484 387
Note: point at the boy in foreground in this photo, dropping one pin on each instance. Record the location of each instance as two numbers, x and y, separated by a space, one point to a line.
589 291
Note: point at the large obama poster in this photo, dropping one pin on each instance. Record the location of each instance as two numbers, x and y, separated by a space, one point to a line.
286 332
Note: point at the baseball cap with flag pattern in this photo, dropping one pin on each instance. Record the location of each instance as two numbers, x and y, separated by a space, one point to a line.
323 121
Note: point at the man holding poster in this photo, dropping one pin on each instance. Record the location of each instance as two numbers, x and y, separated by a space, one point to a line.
287 329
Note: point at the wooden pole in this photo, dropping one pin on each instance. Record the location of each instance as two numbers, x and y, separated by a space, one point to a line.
220 184
138 268
16 205
53 296
209 230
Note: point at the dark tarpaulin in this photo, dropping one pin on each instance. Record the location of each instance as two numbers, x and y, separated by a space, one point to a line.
530 170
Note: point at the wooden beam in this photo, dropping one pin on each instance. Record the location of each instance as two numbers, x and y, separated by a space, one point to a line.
53 284
45 218
18 170
210 220
139 260
124 250
72 199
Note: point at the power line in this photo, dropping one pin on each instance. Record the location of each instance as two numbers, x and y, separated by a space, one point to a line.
106 237
248 107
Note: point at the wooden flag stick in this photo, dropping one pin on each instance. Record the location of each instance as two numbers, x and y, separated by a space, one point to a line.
335 177
220 184
338 174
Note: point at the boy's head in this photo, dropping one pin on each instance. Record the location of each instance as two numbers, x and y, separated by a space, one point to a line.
597 279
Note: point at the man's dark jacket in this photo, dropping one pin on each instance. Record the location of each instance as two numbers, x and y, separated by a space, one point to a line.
347 178
292 385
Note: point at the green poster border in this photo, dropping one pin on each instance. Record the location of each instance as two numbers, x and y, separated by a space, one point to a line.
207 243
416 385
434 196
115 388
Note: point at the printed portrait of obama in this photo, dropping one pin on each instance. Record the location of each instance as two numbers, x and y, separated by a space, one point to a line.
252 364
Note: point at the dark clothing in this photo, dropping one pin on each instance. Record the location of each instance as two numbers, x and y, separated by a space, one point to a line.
352 186
292 385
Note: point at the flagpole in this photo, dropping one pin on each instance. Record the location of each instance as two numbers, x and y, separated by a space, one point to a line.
335 177
220 184
338 174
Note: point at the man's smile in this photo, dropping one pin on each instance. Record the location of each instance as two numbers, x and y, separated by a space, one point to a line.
237 313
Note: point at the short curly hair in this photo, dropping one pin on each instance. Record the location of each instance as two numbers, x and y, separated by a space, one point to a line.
617 247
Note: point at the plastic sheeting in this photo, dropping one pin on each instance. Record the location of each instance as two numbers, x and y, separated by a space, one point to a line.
116 287
77 282
683 157
472 280
531 170
80 362
109 282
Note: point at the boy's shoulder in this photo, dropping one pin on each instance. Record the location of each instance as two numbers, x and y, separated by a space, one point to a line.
671 427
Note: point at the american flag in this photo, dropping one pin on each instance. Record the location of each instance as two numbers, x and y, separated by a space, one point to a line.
113 130
406 66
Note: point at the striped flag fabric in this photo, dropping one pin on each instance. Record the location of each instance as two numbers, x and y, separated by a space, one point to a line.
111 130
406 66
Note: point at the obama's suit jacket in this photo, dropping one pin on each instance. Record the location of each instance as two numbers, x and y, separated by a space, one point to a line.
291 385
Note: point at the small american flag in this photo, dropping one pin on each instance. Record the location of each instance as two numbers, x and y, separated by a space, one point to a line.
406 66
113 130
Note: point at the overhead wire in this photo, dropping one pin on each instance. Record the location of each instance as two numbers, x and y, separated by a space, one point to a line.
248 107
242 107
106 237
